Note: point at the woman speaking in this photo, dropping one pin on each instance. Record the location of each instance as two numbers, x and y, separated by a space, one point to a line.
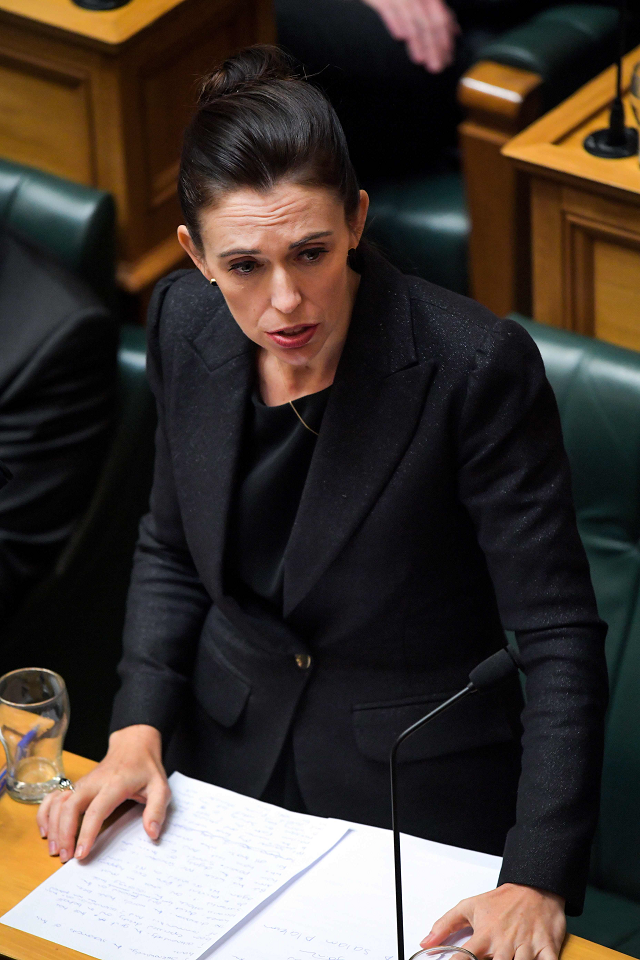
359 484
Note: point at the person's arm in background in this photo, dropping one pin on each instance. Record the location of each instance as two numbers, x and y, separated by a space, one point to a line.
427 27
56 417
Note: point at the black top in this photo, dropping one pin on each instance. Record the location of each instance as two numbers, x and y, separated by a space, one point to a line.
274 462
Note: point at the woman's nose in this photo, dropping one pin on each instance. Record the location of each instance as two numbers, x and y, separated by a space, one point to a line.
285 296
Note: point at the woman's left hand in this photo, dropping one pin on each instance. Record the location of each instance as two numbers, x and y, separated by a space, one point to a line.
512 921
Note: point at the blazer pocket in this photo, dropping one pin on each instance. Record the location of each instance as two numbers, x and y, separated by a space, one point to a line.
477 721
219 688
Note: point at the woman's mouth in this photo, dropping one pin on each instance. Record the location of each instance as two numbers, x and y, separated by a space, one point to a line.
292 338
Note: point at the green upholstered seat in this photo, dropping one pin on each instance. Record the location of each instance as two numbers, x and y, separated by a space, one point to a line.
597 386
72 620
423 227
566 45
73 223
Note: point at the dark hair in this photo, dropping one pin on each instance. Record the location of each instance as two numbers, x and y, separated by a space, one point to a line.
257 122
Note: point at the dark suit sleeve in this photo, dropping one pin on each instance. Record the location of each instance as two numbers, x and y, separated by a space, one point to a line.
515 483
55 422
167 603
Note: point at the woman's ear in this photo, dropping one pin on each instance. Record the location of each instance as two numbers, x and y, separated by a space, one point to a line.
360 218
187 244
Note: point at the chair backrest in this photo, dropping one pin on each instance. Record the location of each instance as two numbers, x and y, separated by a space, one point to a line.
73 223
566 44
72 620
597 386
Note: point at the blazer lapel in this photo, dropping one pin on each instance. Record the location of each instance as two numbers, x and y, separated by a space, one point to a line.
375 402
219 393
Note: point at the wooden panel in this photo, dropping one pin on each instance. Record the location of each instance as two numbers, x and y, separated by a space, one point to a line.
499 247
103 98
108 26
499 101
547 249
575 948
45 116
554 143
158 82
621 217
578 292
616 280
504 97
168 89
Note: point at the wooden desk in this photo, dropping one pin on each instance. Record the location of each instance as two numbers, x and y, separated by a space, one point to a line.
102 98
585 218
26 863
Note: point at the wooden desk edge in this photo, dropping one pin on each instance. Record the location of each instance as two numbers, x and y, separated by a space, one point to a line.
16 945
109 27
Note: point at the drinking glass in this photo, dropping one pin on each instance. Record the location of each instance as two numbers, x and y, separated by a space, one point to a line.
445 952
634 93
34 716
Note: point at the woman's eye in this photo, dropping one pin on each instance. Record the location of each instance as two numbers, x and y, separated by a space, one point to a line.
244 267
313 254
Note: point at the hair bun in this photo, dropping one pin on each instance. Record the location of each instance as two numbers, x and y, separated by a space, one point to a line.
252 66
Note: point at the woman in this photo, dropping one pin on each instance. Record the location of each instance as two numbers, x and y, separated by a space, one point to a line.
359 479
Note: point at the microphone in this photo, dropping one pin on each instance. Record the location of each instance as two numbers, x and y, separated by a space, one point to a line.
617 140
486 675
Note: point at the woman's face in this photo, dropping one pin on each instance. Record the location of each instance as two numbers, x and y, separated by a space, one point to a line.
280 260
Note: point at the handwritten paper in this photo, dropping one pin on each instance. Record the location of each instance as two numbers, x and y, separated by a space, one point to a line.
344 908
220 856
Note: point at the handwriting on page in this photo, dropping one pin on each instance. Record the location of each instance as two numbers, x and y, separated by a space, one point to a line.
220 855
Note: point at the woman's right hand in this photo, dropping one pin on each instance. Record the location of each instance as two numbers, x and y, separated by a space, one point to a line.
131 770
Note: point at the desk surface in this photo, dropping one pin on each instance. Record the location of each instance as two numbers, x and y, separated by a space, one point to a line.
26 863
107 26
555 141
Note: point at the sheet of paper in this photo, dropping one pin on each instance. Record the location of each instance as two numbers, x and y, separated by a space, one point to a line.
219 856
344 908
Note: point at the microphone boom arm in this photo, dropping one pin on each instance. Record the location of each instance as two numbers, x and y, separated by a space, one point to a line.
487 674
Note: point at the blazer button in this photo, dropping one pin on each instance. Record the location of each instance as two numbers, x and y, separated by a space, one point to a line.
303 660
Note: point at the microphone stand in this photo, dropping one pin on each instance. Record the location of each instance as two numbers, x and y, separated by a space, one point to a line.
487 674
616 140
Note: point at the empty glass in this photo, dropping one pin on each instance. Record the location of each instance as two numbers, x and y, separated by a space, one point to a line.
444 951
34 716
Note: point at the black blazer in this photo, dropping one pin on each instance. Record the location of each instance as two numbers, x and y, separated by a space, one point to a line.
437 510
57 404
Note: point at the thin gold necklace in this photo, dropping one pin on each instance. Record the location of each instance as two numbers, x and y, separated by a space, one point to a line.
290 402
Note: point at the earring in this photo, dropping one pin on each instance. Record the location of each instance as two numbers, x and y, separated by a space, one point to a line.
213 282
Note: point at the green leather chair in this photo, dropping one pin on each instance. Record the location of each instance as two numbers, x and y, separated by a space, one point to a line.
72 620
422 222
597 386
73 223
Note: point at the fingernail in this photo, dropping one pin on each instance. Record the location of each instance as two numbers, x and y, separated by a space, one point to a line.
154 829
52 848
43 833
79 852
63 855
